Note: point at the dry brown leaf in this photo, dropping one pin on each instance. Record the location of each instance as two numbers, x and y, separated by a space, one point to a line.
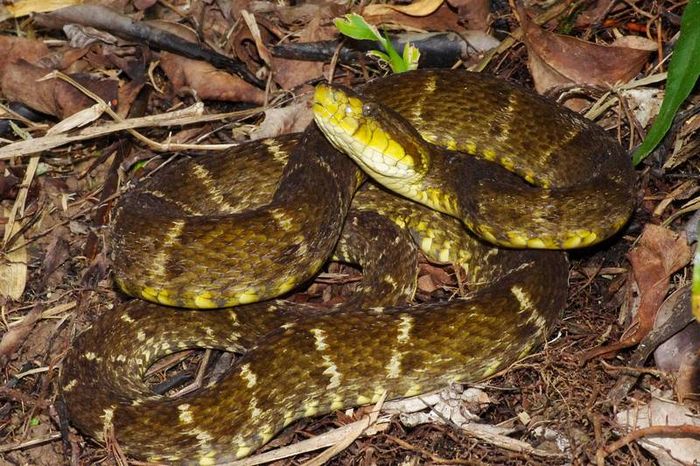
438 277
27 7
292 73
298 13
15 48
443 19
22 83
290 119
644 102
635 42
475 13
417 8
260 46
672 449
684 191
556 60
208 82
13 264
659 253
668 355
588 17
425 284
16 335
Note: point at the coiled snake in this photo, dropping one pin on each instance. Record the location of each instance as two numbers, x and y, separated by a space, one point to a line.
527 174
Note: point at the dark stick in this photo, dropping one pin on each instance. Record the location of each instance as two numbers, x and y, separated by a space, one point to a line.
438 50
122 26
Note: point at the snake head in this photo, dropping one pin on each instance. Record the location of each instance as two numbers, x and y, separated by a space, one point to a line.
382 142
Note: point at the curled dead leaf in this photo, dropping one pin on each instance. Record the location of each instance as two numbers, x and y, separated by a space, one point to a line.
13 49
208 82
659 253
442 19
418 8
22 82
290 119
475 13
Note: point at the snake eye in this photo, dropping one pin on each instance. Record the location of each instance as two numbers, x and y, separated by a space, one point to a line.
369 109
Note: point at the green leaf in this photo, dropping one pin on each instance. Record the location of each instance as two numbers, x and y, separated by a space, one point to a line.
379 55
355 26
411 55
683 71
395 61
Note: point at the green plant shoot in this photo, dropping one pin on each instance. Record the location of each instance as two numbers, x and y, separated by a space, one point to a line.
355 26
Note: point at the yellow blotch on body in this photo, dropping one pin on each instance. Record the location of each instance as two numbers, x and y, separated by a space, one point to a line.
536 243
311 409
185 415
516 239
485 233
286 286
491 368
489 154
204 300
414 390
243 451
288 418
165 297
149 294
248 296
526 350
507 163
337 403
572 242
590 238
444 255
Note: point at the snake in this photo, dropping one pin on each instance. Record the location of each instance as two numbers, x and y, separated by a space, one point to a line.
467 168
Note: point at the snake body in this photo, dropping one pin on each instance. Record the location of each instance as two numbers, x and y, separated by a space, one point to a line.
188 244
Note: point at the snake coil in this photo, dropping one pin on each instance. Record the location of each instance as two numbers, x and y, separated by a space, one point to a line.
518 171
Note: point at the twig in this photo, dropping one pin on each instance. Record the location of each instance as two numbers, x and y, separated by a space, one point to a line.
103 18
29 443
682 429
187 116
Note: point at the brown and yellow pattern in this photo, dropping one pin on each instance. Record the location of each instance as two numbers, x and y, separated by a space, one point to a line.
198 235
